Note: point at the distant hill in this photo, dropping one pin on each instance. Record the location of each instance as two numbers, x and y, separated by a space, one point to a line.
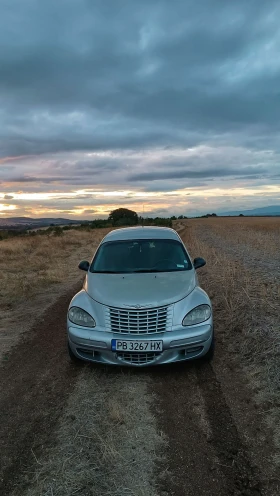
25 222
272 210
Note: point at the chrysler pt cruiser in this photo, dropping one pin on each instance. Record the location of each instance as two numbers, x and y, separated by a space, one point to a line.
141 303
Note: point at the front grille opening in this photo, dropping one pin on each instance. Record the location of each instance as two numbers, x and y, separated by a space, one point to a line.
137 358
194 349
87 352
144 321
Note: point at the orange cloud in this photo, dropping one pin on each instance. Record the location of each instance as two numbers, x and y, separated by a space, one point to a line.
4 160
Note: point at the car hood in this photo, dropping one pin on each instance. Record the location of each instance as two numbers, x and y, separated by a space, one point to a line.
147 289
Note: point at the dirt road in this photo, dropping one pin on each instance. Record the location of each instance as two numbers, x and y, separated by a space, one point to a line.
192 429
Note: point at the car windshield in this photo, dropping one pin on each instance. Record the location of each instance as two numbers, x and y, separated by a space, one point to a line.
144 255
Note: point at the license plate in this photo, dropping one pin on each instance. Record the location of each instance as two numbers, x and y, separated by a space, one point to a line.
142 346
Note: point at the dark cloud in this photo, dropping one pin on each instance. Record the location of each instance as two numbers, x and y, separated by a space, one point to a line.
191 174
42 179
106 94
23 179
90 211
98 76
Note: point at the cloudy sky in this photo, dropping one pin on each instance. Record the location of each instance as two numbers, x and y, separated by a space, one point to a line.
107 103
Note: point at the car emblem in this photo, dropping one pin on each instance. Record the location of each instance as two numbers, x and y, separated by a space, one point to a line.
137 306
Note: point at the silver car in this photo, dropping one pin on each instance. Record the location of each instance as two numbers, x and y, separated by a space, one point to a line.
141 303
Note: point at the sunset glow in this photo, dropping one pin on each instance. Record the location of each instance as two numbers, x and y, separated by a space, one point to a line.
184 200
4 209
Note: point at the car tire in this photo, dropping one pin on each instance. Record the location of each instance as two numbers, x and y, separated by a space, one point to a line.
73 357
210 353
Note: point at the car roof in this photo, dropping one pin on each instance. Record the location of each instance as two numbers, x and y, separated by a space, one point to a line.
148 232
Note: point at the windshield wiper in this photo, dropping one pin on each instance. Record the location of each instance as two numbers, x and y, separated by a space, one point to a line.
107 272
137 271
146 270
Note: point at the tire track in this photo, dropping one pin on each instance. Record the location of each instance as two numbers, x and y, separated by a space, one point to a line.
34 385
206 455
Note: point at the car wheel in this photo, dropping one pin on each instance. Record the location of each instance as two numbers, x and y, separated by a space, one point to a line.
73 357
210 353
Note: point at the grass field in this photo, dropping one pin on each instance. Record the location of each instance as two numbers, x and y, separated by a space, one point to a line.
116 431
36 270
242 277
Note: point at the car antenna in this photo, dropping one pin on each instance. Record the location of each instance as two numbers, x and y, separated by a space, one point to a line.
143 217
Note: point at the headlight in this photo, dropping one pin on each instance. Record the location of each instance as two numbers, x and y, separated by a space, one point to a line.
197 315
80 317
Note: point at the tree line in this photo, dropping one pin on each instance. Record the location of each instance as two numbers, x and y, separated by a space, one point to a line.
120 217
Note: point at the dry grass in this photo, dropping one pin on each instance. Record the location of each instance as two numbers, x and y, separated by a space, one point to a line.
107 441
246 312
262 233
29 268
27 264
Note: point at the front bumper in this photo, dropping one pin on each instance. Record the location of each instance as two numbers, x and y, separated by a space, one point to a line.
181 344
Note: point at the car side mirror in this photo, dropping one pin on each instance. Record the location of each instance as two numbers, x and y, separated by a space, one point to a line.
84 265
199 262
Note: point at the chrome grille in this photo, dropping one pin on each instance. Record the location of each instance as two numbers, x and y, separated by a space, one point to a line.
137 358
144 321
